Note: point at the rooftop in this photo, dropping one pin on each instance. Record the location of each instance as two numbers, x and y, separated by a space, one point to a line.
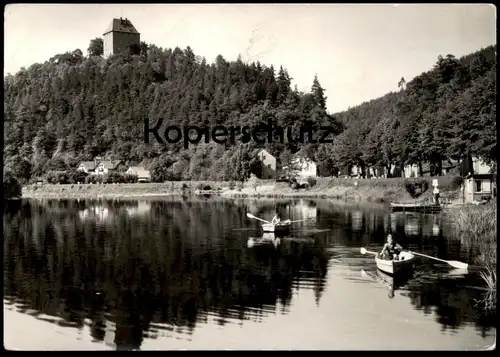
121 25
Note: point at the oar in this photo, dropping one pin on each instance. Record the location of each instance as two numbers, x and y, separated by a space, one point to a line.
364 251
253 217
454 263
301 220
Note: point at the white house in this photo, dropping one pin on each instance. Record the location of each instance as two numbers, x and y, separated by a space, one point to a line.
410 170
478 182
268 165
87 166
302 167
142 174
108 166
355 171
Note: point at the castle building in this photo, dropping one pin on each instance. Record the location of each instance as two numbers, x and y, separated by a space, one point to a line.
120 36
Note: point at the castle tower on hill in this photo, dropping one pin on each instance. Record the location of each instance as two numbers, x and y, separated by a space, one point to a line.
120 36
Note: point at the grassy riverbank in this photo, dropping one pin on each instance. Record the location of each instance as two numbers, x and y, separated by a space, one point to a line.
376 190
476 227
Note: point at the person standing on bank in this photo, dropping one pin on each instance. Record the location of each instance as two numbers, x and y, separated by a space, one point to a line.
436 195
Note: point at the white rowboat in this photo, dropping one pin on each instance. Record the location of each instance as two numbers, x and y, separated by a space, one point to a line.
404 264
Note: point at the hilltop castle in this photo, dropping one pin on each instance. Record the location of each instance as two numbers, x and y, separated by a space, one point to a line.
120 36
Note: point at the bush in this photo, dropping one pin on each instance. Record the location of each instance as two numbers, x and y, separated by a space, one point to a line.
76 176
129 178
91 179
117 177
416 187
232 185
12 188
311 181
57 177
456 182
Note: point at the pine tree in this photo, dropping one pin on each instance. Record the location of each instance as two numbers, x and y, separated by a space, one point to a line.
318 93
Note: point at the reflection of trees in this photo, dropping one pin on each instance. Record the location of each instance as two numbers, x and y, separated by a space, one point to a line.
453 303
350 226
176 265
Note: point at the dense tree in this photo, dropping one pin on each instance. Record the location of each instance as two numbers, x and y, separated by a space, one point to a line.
74 108
96 47
12 188
445 113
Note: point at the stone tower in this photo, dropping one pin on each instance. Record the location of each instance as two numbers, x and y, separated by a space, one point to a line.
119 36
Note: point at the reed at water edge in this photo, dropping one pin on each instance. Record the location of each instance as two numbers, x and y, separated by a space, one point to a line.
476 227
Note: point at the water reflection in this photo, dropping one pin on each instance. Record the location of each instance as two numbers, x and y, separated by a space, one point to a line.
392 283
163 269
151 269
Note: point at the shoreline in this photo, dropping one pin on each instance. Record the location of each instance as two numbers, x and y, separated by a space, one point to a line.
373 191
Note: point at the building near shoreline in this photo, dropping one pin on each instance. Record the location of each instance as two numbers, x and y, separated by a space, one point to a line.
121 36
87 166
301 167
102 167
478 182
142 174
267 169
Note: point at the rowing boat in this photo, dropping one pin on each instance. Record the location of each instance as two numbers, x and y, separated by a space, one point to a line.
404 264
277 228
416 207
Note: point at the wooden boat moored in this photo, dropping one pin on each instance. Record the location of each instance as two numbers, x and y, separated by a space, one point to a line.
404 264
416 207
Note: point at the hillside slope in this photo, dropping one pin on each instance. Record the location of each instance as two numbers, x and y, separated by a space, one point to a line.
74 108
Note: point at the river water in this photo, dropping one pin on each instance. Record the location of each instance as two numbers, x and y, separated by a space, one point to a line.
171 273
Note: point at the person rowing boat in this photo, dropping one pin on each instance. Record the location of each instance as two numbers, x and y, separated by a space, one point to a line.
391 249
276 219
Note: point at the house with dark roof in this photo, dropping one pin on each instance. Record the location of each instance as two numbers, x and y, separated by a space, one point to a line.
107 166
142 174
120 36
267 165
87 166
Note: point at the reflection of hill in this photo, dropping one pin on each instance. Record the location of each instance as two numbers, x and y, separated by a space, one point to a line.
174 266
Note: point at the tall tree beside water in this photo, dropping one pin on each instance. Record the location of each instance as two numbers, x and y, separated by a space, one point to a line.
12 188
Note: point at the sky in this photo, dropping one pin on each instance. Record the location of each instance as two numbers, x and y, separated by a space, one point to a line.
359 52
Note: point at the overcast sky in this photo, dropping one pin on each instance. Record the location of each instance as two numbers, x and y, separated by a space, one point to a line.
359 52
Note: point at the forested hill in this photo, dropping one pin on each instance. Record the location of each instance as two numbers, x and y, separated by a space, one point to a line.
73 108
446 113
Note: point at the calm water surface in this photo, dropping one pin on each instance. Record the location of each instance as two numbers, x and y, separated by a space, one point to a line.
198 274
